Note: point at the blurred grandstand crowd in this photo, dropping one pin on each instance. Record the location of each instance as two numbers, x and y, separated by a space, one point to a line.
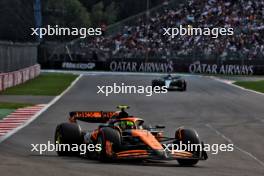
143 36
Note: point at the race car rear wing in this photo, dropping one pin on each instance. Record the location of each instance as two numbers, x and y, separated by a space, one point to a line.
91 116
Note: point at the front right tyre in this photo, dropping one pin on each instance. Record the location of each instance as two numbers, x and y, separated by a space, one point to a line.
188 136
68 135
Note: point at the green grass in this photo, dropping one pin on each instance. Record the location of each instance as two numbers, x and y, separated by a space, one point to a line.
7 108
253 85
5 112
6 105
47 84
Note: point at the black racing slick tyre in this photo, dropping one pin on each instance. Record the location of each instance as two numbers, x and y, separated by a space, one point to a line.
188 136
110 140
68 136
184 87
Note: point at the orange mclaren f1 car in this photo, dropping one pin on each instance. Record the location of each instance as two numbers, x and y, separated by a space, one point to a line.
122 136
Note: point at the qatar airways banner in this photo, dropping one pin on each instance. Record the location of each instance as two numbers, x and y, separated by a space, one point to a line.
177 65
180 65
224 69
140 66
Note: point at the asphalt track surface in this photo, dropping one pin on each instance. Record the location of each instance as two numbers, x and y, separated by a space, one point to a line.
218 112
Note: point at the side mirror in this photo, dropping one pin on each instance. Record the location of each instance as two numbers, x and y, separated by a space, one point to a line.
160 126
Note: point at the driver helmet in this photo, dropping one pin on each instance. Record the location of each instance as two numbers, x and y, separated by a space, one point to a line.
120 114
126 125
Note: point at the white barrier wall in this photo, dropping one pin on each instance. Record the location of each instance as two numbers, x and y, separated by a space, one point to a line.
18 77
1 82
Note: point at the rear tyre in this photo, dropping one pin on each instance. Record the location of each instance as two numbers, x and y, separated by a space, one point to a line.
185 135
110 141
69 134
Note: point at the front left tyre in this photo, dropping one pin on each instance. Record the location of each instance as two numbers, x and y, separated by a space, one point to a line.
184 86
110 141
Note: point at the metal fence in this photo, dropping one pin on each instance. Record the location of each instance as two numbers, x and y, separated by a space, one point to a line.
15 56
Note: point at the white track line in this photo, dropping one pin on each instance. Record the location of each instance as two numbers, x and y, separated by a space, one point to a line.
238 148
43 110
231 84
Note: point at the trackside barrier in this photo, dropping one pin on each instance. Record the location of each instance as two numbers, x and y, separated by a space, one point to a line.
8 80
11 79
17 78
1 82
